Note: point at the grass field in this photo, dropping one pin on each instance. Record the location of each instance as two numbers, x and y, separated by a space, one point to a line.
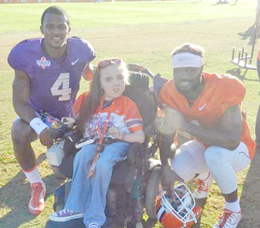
142 32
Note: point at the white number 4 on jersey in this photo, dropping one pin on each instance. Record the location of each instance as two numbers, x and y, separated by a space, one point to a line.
61 87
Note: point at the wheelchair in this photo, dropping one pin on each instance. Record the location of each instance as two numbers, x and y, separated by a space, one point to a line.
120 211
141 167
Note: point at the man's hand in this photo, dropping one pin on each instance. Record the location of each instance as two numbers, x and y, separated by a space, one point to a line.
88 72
163 126
168 178
68 121
136 67
45 138
174 118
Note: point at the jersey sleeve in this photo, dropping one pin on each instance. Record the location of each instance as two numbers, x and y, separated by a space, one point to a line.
16 59
133 118
169 97
79 102
82 48
232 92
163 96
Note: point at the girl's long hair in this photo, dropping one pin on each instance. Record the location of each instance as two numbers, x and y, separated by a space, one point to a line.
90 103
92 100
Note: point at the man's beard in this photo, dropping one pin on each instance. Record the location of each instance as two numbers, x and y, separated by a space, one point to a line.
193 88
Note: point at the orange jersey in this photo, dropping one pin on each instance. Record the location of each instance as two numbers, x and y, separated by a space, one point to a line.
124 115
220 92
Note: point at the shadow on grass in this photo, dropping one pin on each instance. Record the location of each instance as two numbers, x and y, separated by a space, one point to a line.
250 198
240 73
75 223
16 194
249 33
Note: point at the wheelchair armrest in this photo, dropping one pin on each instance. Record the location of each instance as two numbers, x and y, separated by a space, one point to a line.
136 155
149 129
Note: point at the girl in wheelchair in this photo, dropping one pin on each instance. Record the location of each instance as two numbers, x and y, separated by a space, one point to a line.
113 122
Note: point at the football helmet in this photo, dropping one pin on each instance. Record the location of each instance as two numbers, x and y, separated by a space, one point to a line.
178 209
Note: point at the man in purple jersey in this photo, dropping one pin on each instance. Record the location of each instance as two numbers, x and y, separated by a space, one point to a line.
47 75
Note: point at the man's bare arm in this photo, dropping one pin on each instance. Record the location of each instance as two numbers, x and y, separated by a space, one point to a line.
88 72
227 133
21 93
167 152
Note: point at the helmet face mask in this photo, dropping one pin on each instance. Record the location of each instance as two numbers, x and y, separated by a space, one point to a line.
177 209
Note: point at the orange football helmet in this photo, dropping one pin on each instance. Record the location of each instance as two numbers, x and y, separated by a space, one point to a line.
177 210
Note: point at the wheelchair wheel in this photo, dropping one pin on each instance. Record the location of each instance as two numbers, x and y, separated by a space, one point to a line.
59 198
152 190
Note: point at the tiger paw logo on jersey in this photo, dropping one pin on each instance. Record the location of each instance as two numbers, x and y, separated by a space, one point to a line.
43 63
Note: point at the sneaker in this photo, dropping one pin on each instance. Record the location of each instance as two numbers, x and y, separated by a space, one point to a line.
229 219
203 187
93 225
36 203
65 215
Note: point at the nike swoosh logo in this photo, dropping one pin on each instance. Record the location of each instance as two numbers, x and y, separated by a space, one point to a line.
73 63
202 107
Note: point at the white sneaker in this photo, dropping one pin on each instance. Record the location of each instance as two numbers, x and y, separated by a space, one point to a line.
93 225
229 219
203 187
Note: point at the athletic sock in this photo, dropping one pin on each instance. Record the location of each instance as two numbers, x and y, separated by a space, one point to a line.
33 175
234 206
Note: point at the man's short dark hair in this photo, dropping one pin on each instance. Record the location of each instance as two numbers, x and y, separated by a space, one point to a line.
57 11
190 48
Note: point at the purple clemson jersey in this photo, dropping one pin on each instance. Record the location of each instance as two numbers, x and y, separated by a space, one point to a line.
54 83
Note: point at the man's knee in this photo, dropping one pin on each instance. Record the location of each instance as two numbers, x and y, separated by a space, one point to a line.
22 132
183 164
182 170
213 155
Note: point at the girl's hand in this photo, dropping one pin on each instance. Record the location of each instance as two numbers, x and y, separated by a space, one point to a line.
116 133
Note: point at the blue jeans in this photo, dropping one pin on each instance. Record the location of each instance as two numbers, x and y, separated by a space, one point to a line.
88 195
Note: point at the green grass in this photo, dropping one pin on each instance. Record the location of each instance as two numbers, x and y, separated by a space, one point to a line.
84 15
142 32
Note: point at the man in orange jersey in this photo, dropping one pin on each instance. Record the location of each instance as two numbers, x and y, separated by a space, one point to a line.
206 106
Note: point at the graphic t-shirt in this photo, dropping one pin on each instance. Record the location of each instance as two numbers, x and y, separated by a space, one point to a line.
124 115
